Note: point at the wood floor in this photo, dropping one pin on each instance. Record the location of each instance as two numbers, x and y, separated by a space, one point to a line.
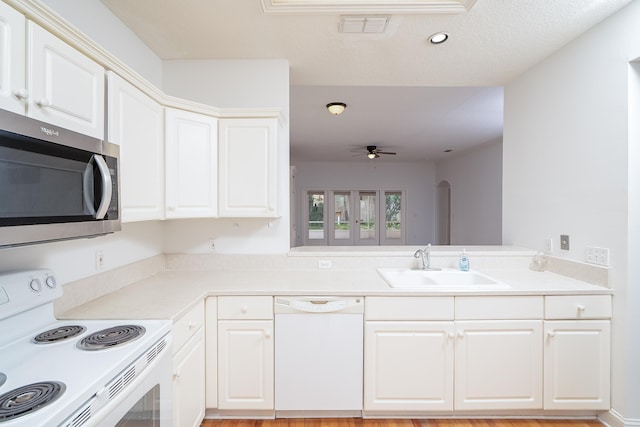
358 422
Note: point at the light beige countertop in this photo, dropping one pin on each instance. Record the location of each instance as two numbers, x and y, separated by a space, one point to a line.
170 294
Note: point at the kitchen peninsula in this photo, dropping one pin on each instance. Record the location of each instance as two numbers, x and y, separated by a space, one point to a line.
531 324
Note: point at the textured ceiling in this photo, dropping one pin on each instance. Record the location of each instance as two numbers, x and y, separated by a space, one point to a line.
402 92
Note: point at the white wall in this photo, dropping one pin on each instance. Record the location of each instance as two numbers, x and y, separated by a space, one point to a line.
475 176
417 178
234 84
95 20
566 171
76 259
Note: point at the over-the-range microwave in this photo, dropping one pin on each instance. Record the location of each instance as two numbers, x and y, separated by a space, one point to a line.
55 184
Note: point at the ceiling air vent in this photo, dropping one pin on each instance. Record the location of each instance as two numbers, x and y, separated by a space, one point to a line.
363 24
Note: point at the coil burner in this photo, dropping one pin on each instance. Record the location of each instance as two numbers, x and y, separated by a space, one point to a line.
111 337
28 399
58 334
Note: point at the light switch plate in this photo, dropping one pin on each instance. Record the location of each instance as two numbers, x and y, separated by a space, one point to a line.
564 242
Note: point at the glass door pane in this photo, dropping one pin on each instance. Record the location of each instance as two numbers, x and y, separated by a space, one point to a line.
393 215
315 220
342 218
367 222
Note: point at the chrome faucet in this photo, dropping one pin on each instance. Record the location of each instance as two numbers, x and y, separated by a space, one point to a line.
425 256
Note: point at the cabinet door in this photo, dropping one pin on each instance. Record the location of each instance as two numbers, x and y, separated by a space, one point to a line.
67 88
211 343
498 365
189 383
577 364
136 124
191 165
408 366
13 88
248 168
245 364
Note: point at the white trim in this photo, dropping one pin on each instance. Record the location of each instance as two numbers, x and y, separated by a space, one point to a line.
366 6
613 418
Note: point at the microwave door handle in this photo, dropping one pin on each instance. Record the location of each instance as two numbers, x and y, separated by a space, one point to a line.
105 181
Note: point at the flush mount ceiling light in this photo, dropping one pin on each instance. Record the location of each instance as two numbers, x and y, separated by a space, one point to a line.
336 108
438 38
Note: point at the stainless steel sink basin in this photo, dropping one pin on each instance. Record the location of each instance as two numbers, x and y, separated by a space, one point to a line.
438 279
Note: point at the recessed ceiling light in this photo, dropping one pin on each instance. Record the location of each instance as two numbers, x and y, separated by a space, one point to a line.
438 38
447 151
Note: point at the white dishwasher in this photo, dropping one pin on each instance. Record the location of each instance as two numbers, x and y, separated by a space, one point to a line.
318 356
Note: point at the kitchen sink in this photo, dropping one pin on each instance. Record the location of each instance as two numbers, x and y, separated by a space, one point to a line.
438 279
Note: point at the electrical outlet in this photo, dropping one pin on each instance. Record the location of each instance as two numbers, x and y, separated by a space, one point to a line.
99 260
564 242
598 256
211 244
548 246
324 263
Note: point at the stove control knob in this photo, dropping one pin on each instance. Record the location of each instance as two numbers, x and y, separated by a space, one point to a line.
51 282
35 285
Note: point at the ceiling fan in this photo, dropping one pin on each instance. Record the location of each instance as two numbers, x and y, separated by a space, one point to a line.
373 152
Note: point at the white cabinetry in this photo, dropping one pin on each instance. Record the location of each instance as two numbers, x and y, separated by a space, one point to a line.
191 165
577 352
211 351
245 353
13 86
65 87
408 356
498 356
248 168
189 368
136 124
47 79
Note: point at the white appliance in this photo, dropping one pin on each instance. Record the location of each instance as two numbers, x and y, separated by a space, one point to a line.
319 356
78 373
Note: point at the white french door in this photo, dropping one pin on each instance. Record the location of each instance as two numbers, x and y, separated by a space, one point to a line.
354 218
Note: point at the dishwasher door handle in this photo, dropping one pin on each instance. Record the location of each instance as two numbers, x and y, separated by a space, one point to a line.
318 305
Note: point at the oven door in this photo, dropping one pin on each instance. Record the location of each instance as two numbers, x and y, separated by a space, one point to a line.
146 402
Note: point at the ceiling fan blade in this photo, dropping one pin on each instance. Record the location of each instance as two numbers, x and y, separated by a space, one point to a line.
386 152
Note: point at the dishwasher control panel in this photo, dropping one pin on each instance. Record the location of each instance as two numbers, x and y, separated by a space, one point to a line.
319 305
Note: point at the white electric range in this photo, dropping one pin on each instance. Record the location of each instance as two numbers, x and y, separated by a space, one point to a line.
77 373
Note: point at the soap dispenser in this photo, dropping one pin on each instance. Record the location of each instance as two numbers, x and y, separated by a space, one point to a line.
464 261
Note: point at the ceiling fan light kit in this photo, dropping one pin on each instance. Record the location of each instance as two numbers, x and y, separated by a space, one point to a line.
373 152
336 108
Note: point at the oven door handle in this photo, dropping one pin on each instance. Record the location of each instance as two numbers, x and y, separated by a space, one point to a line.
105 183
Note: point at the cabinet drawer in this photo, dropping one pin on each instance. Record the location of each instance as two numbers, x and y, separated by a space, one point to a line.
187 326
245 308
577 307
408 308
499 307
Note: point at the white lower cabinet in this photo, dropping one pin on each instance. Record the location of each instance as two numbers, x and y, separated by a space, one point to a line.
408 366
498 365
189 368
245 353
577 352
188 383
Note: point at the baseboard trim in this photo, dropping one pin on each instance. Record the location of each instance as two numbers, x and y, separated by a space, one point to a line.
613 418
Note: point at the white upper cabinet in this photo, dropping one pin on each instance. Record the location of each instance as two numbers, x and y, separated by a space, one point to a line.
248 167
13 86
191 174
65 87
136 123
